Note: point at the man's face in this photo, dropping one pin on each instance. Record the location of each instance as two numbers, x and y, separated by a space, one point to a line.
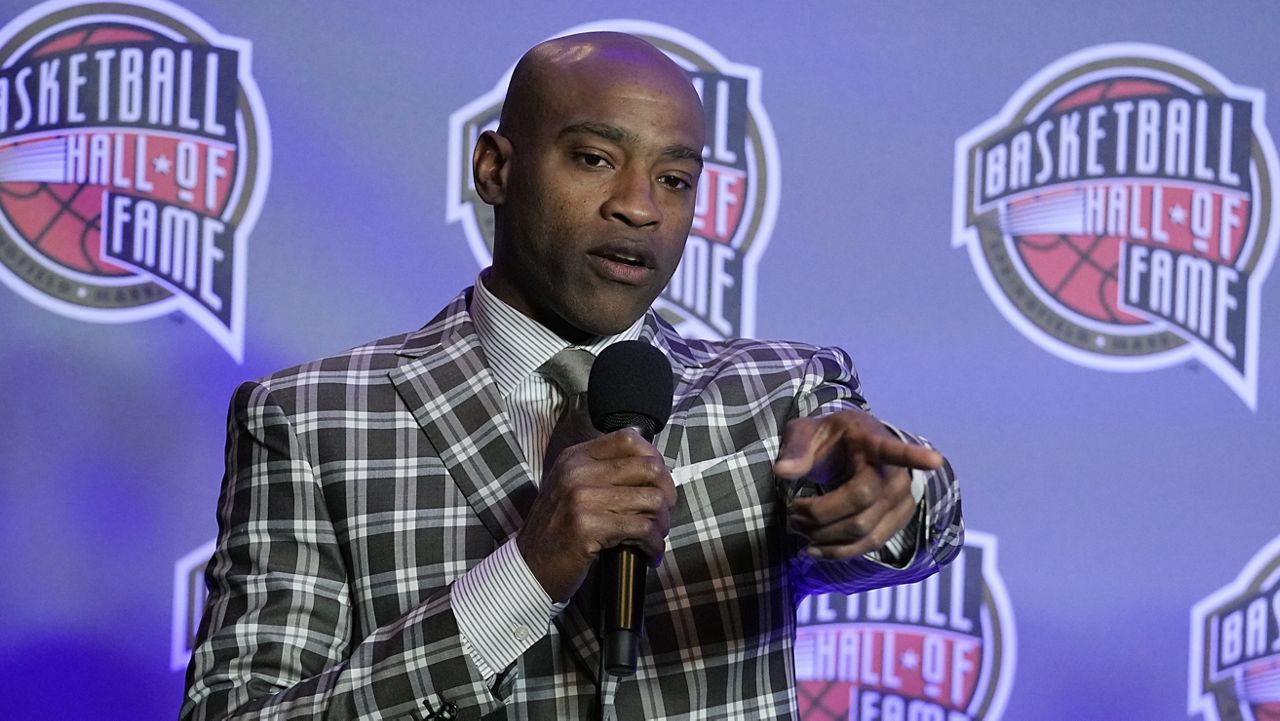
598 200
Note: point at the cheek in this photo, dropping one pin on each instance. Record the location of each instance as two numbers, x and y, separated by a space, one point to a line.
570 227
678 221
678 211
671 255
556 205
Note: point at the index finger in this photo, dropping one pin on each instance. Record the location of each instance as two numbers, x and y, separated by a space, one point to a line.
887 450
622 443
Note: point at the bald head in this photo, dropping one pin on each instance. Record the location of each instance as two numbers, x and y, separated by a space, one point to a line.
592 175
554 72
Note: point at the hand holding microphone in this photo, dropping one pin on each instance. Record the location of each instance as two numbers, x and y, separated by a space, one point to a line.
613 492
631 388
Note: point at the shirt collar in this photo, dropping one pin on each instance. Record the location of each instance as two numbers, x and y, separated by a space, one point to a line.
515 345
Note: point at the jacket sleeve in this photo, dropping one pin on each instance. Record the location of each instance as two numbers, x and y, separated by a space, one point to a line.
276 640
830 384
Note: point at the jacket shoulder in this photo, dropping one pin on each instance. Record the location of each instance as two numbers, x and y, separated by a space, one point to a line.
375 358
750 353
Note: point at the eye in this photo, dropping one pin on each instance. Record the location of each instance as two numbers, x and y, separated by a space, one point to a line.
593 160
675 182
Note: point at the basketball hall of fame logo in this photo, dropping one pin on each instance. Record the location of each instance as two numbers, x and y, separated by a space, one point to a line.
1119 212
712 294
1235 645
134 156
942 649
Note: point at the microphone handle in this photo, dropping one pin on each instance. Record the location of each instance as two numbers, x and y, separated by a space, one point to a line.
623 571
622 574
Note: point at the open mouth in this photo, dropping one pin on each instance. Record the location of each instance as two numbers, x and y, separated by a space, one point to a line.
626 259
628 253
623 265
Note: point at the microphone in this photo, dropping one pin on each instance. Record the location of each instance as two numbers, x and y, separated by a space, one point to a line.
630 387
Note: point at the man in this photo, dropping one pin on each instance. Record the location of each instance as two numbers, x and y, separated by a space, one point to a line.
393 541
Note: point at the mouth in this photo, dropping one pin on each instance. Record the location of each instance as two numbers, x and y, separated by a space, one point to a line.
631 259
623 263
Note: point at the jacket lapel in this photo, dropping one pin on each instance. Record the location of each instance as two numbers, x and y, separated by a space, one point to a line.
449 389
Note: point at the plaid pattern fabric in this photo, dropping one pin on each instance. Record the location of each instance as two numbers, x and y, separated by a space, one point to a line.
358 487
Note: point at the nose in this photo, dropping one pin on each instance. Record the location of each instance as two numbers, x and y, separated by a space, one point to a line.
631 201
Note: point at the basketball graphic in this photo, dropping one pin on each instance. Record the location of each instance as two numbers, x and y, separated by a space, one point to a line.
1260 689
134 156
1079 270
63 220
1118 212
942 648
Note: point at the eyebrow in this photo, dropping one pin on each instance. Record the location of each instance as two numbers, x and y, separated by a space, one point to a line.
623 136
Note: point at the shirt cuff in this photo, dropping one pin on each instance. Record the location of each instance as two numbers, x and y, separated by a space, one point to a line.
900 549
501 609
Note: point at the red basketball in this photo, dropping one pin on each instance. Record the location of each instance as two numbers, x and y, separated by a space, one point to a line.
1082 270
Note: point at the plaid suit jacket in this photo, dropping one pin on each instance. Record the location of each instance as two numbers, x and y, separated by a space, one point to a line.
358 487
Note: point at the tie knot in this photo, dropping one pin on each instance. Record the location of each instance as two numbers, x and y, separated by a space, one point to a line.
569 369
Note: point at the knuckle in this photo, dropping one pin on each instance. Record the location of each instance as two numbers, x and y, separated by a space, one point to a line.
861 527
578 496
643 529
861 495
878 537
632 438
568 469
652 469
579 528
650 498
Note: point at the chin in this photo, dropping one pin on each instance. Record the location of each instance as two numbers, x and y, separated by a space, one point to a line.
606 321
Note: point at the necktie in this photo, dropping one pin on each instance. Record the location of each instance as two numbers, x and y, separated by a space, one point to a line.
569 369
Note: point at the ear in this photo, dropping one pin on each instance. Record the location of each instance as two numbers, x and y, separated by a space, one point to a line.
490 164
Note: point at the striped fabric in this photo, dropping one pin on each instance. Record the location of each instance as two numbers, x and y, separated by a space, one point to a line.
361 487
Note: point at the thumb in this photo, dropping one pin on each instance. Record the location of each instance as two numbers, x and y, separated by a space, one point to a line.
796 455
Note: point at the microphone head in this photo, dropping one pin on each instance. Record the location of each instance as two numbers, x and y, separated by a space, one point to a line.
630 386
